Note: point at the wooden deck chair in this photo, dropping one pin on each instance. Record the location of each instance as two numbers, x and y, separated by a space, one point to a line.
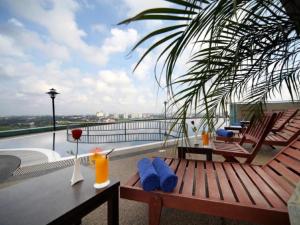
283 118
255 134
280 138
257 194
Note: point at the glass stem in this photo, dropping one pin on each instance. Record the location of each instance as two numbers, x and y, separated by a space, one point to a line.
76 150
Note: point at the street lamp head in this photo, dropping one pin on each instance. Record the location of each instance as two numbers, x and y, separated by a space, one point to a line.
52 93
165 102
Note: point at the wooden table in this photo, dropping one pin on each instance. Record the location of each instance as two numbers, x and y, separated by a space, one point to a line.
195 149
50 199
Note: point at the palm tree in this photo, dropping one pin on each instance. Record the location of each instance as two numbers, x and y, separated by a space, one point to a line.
240 50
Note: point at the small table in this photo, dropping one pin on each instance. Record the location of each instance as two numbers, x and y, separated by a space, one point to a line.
195 149
50 199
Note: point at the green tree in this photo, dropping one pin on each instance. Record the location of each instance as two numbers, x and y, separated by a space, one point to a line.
241 51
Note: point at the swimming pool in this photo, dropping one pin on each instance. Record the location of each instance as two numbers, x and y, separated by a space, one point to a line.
58 142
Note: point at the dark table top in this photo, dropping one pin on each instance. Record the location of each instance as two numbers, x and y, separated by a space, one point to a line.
43 199
197 145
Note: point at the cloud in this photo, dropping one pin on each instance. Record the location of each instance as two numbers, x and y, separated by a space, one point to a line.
15 22
86 4
44 47
134 7
98 28
138 6
23 41
59 19
8 47
108 90
146 67
119 41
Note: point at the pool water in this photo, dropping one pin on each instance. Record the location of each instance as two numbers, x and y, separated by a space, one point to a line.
58 142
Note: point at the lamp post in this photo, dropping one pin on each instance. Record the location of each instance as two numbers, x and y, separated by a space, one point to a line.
165 102
52 93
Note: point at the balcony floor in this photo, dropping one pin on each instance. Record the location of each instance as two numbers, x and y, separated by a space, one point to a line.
136 213
123 165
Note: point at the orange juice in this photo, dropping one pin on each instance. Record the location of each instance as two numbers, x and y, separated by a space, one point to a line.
205 138
101 168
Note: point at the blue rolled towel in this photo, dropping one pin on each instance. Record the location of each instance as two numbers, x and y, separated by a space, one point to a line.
148 175
167 177
224 133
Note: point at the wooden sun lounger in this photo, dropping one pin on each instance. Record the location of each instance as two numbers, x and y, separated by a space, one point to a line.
281 120
257 194
255 133
281 138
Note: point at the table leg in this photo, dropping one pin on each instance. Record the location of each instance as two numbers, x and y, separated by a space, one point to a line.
113 208
78 222
181 153
209 155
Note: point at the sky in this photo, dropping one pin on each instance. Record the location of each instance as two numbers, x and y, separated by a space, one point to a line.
75 47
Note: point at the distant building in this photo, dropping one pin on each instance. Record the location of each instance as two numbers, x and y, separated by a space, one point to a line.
108 120
146 115
100 114
31 124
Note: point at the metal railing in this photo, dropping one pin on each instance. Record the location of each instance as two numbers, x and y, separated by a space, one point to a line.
135 130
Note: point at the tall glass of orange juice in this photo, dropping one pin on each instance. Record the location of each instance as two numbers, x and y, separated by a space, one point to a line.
101 171
205 138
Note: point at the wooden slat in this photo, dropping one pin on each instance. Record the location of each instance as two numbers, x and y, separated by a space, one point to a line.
230 147
224 184
200 190
275 137
282 193
138 184
132 181
213 190
239 190
296 144
267 192
284 135
188 179
296 125
180 172
174 164
252 189
289 162
168 161
287 133
288 174
291 129
293 153
280 180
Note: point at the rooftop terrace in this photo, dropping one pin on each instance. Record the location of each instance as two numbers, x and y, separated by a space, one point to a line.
122 166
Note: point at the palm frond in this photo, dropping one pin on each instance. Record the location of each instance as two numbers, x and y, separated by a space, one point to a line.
241 50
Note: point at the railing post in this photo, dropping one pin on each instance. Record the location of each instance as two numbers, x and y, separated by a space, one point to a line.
88 133
125 131
159 130
68 132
